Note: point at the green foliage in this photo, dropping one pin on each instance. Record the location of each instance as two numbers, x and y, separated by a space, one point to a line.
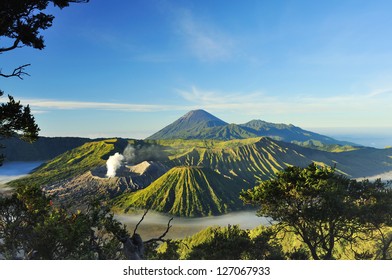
222 243
169 250
22 21
261 243
185 191
20 25
321 207
32 228
16 119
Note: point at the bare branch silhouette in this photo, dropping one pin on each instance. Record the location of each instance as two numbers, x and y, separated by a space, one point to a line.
18 72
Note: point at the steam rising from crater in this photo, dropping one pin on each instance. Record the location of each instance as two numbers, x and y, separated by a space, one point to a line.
129 153
113 163
133 155
117 160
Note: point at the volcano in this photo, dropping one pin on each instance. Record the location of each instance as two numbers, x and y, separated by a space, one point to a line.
94 184
199 124
186 191
189 126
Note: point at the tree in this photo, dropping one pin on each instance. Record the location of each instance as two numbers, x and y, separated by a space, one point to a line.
318 205
222 243
32 227
20 25
16 120
376 214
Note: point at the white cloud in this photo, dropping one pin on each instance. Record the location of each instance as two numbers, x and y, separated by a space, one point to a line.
342 110
205 40
44 105
346 110
203 97
380 92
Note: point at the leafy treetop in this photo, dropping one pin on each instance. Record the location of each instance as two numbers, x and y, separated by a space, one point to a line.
322 207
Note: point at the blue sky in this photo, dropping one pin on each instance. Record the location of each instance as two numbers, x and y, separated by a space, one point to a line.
128 68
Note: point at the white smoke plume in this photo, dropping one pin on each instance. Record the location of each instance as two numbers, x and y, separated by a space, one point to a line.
129 153
113 163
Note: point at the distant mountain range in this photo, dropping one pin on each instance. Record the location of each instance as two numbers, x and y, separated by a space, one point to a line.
210 167
199 124
44 148
189 168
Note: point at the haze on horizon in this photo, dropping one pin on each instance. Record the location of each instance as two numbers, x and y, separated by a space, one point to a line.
319 65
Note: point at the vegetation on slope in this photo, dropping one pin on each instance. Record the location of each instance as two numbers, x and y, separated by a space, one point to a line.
73 163
221 243
250 160
318 145
288 133
186 191
234 243
199 124
323 208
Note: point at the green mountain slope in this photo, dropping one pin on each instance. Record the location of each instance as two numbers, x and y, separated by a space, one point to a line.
226 132
186 191
246 162
199 124
250 161
74 162
257 159
288 133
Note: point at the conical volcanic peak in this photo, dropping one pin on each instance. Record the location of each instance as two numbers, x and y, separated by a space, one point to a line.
199 124
197 116
186 191
189 126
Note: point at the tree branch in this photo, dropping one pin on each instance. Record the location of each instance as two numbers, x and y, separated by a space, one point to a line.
18 72
14 46
141 220
160 238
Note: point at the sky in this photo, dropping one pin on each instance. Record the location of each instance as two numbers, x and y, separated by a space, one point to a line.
129 68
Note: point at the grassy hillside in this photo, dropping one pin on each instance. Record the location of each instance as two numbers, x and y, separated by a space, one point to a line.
318 145
199 124
287 243
250 160
246 162
74 162
186 191
256 159
288 133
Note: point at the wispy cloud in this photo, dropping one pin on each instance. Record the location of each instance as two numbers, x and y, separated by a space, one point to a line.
345 109
381 92
209 97
355 110
44 105
205 40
